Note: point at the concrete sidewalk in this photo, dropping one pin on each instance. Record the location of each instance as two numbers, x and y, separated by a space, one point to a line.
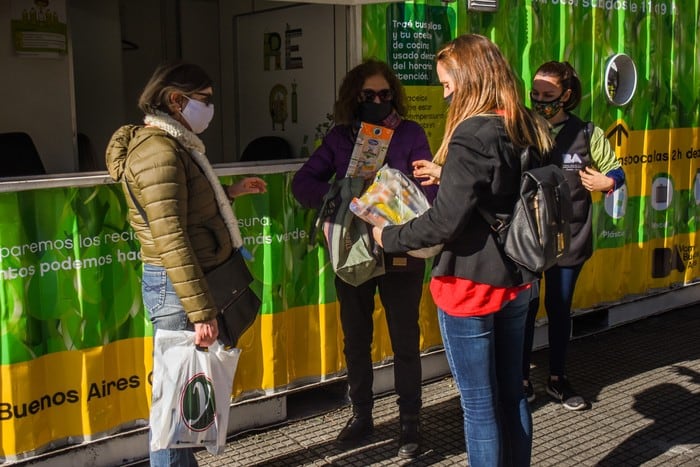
643 379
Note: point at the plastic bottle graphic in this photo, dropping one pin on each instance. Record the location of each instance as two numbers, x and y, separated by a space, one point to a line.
661 193
616 203
662 215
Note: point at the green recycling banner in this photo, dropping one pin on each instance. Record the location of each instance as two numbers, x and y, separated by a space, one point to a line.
76 343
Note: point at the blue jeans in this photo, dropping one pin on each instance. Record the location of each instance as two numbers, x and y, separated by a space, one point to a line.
166 312
559 285
485 356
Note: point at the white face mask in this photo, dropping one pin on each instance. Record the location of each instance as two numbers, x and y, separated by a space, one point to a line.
197 114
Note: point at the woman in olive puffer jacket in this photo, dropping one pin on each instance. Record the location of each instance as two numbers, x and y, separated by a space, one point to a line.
189 227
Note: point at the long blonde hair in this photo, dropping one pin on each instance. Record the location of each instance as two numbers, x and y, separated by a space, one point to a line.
484 84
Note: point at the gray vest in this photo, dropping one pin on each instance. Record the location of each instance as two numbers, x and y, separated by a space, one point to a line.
572 152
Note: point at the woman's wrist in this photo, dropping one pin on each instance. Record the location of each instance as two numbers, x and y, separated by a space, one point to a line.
610 186
227 189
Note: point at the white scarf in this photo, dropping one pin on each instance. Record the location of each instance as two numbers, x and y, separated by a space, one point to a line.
195 146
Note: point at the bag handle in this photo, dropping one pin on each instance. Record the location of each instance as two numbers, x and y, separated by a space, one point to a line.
326 209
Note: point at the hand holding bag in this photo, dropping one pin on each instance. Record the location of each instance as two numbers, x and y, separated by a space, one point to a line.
191 392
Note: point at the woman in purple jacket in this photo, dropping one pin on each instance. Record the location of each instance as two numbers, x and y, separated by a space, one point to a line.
371 93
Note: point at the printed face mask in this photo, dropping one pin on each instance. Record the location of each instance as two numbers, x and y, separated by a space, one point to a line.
197 114
547 109
373 112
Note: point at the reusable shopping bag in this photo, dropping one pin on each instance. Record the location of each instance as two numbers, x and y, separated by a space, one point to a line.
353 254
191 392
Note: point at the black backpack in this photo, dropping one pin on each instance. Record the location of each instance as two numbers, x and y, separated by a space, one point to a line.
537 233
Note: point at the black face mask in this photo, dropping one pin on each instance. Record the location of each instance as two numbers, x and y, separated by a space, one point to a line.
448 99
373 112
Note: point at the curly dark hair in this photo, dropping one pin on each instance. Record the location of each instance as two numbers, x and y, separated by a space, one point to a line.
347 105
568 79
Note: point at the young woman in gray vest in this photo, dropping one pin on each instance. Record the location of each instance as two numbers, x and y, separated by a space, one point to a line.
581 149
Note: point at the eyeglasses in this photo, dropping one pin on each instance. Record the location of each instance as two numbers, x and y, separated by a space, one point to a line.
385 95
207 99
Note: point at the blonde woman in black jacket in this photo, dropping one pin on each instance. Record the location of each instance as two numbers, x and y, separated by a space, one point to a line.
481 295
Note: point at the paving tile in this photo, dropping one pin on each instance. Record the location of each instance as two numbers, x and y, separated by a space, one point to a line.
643 379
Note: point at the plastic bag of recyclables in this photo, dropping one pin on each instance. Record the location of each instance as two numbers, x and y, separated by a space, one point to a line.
393 199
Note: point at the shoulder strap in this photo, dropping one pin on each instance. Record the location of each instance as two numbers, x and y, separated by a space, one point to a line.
528 160
128 187
326 209
136 203
496 224
348 187
587 132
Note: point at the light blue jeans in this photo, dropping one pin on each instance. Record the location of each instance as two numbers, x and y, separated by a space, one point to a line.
166 312
485 356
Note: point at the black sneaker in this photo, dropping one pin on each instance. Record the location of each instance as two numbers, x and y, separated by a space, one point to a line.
529 391
562 391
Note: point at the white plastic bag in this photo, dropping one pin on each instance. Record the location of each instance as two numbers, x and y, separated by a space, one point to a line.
191 392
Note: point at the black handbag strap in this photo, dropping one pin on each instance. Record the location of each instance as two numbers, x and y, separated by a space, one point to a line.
136 203
145 217
133 197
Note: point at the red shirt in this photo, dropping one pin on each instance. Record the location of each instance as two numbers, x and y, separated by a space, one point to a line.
463 297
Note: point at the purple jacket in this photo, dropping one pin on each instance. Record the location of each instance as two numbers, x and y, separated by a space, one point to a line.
311 182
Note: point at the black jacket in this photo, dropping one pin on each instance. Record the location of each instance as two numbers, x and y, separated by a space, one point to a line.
482 169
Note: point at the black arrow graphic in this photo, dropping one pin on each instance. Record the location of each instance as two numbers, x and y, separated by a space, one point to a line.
619 130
